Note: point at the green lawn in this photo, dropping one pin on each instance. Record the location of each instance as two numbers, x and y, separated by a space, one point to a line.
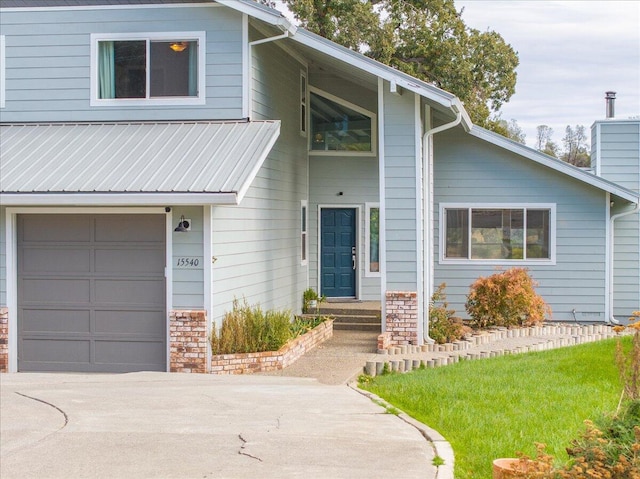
495 407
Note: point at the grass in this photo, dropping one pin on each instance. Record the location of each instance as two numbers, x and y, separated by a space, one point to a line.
496 407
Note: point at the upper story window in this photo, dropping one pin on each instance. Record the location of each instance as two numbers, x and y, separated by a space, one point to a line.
338 126
303 103
498 234
145 69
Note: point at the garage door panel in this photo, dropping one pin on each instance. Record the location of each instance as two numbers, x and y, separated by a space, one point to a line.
55 228
149 323
91 293
148 355
130 228
129 292
59 351
56 290
55 320
129 261
55 260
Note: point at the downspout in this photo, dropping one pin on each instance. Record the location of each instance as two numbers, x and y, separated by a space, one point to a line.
428 226
636 209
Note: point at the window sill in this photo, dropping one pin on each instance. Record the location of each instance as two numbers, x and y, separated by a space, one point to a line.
499 262
126 102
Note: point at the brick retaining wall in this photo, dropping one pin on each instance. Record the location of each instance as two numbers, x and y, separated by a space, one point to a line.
272 360
4 340
402 317
188 341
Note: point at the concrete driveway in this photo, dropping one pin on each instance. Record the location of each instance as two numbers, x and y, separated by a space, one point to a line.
159 425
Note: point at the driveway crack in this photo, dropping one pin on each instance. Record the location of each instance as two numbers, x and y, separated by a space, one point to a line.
242 452
64 414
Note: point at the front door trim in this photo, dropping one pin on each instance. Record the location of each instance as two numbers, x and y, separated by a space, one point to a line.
358 209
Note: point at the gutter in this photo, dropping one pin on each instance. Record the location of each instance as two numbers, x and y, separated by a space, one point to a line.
636 209
428 226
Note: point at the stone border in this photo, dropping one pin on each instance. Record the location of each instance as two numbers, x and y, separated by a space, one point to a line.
246 363
486 344
4 340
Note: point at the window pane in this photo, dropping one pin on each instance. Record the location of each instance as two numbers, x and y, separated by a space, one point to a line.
374 240
457 234
538 234
130 69
335 127
497 234
174 68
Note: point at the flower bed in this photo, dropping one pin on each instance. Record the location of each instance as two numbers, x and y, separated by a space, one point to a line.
244 363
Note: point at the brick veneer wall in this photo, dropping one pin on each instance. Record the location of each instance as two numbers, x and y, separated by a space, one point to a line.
272 360
4 340
402 317
189 342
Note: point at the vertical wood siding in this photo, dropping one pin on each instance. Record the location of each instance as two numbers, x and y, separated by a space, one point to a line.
48 62
258 243
468 170
400 191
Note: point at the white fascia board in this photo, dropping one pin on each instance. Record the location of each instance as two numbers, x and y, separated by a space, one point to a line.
117 199
554 164
362 62
260 12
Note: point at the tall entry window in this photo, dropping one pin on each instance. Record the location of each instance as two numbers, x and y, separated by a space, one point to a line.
146 69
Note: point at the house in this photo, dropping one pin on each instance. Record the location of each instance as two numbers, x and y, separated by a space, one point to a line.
160 158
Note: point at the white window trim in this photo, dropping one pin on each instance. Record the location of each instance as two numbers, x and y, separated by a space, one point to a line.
341 101
3 67
304 234
200 37
551 261
367 243
304 103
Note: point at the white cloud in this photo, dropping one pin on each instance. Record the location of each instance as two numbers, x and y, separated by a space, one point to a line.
570 53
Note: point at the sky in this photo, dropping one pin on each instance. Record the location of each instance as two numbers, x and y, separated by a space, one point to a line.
571 52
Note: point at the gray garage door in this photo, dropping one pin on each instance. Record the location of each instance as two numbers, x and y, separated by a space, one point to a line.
91 293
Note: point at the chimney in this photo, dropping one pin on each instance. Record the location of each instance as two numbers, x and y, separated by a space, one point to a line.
610 98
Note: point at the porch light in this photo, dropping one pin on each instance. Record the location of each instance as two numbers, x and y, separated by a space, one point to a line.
183 226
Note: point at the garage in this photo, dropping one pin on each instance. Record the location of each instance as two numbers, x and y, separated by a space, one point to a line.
91 292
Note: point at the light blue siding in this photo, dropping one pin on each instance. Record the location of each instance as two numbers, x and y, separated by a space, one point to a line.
468 170
400 191
188 280
48 62
357 179
617 143
257 244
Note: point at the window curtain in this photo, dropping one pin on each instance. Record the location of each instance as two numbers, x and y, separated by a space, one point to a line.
106 70
193 68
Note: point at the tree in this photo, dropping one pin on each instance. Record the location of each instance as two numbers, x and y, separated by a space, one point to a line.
510 129
544 143
424 38
576 151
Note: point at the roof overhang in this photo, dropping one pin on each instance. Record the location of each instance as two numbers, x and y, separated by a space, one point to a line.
163 163
555 164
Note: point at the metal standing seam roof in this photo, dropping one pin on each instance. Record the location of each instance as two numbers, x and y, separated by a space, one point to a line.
163 157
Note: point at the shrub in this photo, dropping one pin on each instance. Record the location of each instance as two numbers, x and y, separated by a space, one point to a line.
301 326
506 298
247 329
443 326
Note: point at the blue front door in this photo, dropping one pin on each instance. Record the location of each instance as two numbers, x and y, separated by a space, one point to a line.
338 252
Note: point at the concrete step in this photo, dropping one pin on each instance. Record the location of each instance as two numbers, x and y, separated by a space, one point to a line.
356 318
350 312
342 326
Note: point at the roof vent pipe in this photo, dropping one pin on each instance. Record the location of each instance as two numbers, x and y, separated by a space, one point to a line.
610 98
